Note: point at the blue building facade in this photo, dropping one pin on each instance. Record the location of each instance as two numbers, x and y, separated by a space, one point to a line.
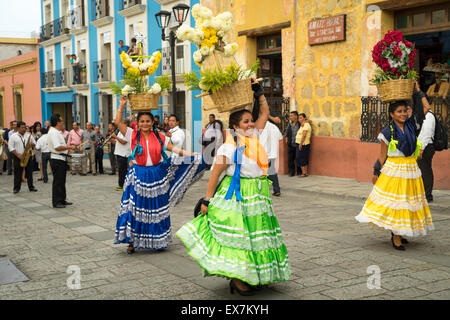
91 29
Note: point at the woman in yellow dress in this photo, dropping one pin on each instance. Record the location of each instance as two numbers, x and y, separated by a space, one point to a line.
397 201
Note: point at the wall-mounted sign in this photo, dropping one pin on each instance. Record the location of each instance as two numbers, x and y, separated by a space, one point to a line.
326 30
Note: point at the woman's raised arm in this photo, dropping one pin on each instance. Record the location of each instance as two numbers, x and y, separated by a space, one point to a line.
119 115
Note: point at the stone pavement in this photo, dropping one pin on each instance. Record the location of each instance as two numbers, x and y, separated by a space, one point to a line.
329 251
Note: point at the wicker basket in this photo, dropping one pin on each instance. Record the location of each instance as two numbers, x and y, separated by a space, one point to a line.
392 90
144 101
237 95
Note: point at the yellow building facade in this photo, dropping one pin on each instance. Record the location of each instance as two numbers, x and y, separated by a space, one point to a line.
324 81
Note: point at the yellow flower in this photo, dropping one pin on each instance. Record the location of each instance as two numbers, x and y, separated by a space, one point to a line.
198 63
123 56
126 64
213 40
133 71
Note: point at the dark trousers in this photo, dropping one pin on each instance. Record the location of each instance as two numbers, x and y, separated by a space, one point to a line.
292 164
122 164
99 160
59 169
45 160
18 170
112 158
9 162
273 176
427 170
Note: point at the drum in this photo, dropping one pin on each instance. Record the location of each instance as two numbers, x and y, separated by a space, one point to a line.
76 160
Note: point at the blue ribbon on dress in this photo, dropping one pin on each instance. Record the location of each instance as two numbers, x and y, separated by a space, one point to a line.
235 186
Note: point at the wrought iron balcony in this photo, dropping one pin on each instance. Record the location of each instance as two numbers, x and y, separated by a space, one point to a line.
100 9
54 29
126 4
57 78
102 70
76 18
374 115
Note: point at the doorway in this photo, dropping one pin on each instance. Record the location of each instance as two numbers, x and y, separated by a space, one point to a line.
180 108
65 110
106 113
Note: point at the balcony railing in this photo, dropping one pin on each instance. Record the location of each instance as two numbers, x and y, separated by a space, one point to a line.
100 9
54 29
102 70
57 78
374 115
125 4
76 18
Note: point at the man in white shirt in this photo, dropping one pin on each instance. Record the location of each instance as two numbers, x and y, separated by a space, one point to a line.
269 139
42 145
122 151
16 146
425 158
212 139
58 161
175 133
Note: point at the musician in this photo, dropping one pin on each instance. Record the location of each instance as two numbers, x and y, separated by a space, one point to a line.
88 140
58 161
20 143
75 140
122 152
112 129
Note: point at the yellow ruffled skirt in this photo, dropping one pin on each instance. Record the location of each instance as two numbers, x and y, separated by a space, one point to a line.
397 201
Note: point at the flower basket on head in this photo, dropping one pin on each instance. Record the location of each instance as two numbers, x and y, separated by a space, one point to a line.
144 101
236 95
394 76
142 97
229 87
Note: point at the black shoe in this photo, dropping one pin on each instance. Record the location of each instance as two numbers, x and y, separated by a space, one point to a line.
59 206
401 247
130 249
233 287
67 203
16 191
276 194
404 241
112 173
430 199
33 189
291 175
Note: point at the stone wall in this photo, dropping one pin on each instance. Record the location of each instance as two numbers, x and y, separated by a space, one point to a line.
328 76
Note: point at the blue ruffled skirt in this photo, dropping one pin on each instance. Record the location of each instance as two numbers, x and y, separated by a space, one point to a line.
149 194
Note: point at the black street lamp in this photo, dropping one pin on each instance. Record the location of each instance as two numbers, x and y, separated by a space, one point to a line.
180 12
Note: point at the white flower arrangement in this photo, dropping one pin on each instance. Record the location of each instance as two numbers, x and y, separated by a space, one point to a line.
208 33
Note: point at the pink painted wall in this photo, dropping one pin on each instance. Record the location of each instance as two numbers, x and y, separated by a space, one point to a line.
31 96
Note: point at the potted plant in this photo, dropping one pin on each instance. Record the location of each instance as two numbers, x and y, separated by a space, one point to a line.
394 75
83 75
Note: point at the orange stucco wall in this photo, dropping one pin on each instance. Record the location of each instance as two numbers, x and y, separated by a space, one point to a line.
350 158
28 76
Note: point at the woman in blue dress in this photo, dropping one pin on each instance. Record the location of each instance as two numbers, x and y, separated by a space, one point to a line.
153 185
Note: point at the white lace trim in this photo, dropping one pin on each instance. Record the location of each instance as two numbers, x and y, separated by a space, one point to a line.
148 190
142 214
397 202
143 241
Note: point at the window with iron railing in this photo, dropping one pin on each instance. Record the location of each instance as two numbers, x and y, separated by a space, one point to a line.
375 117
102 70
76 18
57 78
54 29
100 8
125 4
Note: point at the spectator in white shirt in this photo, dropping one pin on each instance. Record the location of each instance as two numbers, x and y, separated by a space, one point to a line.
175 133
425 158
122 151
42 146
17 144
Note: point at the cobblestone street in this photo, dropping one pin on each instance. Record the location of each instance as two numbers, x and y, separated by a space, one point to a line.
329 250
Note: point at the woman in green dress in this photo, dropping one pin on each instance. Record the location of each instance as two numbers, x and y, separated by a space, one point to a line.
237 236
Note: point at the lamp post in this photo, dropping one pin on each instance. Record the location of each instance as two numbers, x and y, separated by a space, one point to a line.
180 12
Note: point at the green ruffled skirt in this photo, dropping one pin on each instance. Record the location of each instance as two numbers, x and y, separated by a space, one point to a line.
239 239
